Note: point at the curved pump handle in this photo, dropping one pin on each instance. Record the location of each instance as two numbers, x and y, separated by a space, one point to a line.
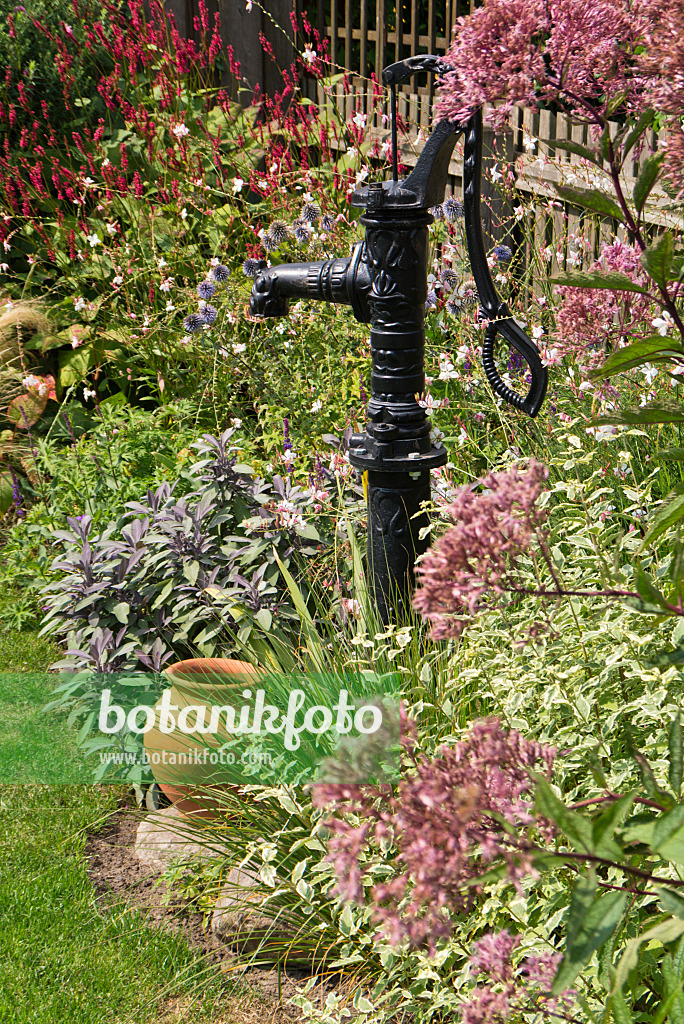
492 308
427 185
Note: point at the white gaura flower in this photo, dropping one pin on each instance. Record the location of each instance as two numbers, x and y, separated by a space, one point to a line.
238 185
317 406
93 240
309 55
180 130
663 323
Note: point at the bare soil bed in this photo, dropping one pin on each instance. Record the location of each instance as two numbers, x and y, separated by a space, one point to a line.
120 880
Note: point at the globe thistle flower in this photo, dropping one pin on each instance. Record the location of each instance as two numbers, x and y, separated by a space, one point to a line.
269 243
437 212
453 208
220 273
311 212
503 253
448 277
454 305
193 323
327 223
251 267
431 301
205 289
278 232
301 230
209 314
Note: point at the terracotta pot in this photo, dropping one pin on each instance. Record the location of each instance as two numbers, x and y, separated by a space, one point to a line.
195 682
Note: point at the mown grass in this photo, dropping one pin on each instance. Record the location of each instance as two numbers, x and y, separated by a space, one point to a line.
63 958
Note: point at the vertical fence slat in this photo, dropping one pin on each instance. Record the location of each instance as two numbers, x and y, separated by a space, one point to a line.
333 33
414 27
348 35
380 32
363 47
399 20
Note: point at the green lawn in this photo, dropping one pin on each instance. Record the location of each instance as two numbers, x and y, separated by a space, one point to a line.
62 959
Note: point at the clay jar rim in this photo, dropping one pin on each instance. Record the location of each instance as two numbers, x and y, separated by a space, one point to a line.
211 673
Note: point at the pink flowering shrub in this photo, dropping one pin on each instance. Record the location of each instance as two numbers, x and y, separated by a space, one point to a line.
590 323
451 816
502 990
577 52
477 556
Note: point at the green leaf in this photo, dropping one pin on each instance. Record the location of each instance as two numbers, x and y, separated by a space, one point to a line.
642 125
646 589
671 902
665 518
573 825
590 199
191 572
604 827
264 618
648 175
644 414
610 281
666 931
591 922
75 365
578 150
676 750
670 453
673 985
668 835
621 1012
6 492
121 611
657 259
638 352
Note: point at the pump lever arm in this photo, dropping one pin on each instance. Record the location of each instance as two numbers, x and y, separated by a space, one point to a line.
491 308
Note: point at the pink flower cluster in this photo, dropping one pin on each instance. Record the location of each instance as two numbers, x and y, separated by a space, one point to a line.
495 523
450 817
664 63
512 992
578 52
589 322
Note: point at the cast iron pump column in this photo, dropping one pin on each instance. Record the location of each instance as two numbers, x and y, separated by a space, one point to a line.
385 282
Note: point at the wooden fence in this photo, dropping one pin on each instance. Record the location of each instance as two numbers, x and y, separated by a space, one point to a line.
367 35
364 37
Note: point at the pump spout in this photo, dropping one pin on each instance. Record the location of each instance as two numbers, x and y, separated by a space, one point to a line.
339 280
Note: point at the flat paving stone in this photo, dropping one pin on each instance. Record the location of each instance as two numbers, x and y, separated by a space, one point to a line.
165 836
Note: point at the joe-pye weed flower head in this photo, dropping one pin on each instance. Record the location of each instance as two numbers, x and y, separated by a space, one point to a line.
477 556
447 820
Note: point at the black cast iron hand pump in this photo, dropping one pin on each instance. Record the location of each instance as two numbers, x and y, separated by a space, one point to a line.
385 282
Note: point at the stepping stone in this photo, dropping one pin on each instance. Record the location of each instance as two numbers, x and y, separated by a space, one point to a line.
164 836
233 913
